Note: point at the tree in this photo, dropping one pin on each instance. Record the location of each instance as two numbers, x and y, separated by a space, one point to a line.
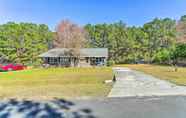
161 36
70 35
139 43
132 44
111 36
23 42
119 43
98 35
178 53
181 30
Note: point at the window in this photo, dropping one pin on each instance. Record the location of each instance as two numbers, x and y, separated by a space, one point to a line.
53 60
87 60
97 60
64 60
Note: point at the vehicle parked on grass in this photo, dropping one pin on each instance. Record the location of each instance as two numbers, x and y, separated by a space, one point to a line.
12 67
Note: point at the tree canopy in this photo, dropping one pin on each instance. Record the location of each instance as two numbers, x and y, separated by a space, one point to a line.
132 44
23 42
158 41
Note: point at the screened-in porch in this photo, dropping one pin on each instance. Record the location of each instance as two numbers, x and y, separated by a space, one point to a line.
87 57
74 61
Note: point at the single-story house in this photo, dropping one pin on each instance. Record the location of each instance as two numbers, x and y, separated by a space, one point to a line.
84 57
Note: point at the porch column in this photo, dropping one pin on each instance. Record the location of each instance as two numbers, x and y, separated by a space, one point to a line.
105 61
72 62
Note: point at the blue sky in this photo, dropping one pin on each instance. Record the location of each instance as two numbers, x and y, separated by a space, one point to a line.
50 12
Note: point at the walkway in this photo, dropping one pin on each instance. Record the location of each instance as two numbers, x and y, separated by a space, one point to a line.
133 83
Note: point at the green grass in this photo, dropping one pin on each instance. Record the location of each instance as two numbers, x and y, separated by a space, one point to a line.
162 72
55 82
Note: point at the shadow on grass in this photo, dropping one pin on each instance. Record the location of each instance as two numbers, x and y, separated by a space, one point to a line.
58 108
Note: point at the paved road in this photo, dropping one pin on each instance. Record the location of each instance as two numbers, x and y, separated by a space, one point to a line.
133 83
131 107
136 107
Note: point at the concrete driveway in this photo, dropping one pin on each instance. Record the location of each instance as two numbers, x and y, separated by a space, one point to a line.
133 83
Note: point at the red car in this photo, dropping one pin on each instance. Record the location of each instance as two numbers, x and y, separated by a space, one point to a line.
12 67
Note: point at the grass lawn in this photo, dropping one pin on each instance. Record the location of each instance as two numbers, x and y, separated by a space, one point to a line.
55 82
162 72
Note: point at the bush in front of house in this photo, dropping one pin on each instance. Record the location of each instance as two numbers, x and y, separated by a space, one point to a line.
110 63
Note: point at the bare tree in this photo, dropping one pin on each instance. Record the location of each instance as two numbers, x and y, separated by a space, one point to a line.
69 35
181 30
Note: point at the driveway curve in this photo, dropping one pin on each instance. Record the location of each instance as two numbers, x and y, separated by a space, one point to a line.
134 83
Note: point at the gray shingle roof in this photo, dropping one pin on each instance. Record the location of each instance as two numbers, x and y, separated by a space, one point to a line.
84 52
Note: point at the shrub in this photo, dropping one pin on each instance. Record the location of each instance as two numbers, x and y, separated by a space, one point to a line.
110 63
162 56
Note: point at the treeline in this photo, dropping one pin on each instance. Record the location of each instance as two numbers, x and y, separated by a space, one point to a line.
23 42
158 41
